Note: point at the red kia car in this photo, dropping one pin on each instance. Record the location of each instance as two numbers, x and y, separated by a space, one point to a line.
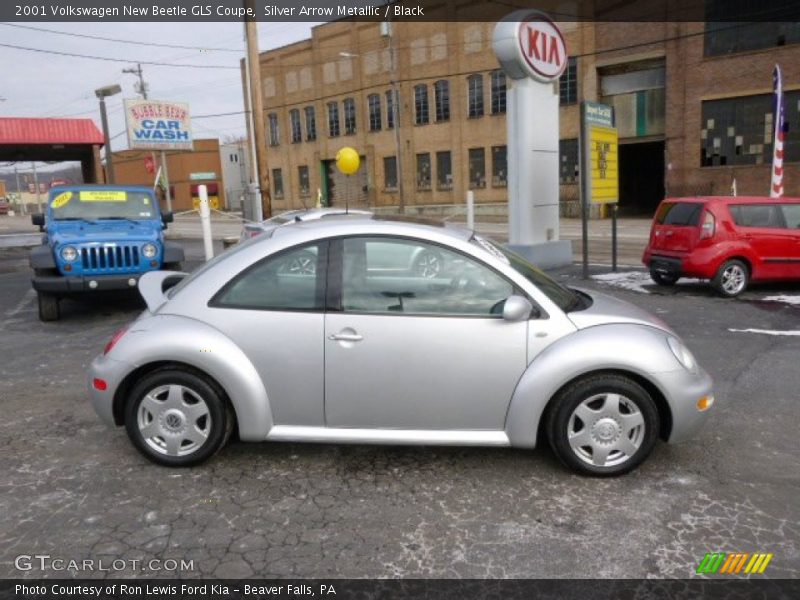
731 240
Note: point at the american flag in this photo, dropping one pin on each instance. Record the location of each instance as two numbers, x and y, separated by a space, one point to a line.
776 185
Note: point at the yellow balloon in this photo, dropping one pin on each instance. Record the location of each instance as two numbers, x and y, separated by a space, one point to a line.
347 160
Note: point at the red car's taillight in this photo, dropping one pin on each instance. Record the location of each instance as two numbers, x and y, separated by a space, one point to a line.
709 224
115 338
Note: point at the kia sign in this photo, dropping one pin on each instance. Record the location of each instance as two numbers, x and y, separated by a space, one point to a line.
155 125
528 44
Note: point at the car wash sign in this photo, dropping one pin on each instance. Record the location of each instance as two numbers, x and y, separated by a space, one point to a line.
156 125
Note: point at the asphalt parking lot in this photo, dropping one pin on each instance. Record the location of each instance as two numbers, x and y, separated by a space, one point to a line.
74 489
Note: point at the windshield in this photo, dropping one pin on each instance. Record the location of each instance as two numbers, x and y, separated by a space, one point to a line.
563 297
95 204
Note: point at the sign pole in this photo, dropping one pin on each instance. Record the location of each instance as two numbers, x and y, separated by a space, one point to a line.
166 180
584 189
614 208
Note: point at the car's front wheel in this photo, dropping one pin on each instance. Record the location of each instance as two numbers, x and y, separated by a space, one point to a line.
603 425
48 307
731 278
177 418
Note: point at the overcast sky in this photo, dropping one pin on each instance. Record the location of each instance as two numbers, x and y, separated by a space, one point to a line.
37 84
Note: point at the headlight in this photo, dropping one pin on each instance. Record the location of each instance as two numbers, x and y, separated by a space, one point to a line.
149 250
682 353
69 254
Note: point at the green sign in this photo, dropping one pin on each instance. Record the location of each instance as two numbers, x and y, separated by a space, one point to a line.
202 176
598 114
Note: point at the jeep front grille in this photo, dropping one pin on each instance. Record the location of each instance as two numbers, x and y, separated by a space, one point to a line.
110 259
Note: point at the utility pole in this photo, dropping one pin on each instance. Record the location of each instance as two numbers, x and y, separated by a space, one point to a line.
19 190
257 110
388 27
36 184
141 88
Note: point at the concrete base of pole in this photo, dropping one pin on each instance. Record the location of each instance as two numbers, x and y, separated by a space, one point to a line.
546 255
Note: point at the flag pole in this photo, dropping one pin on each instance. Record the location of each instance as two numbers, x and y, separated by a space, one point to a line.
776 178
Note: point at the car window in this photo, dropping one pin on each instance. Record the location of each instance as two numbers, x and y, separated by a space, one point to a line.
791 215
757 215
393 275
291 280
679 213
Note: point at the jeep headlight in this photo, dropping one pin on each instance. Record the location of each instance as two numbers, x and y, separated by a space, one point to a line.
682 353
149 250
69 254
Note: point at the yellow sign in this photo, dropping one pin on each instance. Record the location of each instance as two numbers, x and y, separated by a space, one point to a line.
103 196
213 202
61 199
603 164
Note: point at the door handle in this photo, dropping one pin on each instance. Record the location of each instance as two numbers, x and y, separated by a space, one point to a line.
345 337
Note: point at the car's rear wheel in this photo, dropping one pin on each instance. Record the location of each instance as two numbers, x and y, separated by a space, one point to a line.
177 418
48 307
663 278
603 425
731 278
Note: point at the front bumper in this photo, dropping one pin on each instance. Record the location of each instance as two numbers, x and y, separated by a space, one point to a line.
112 372
682 390
85 283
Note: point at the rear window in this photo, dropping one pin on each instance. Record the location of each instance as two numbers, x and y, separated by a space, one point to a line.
679 213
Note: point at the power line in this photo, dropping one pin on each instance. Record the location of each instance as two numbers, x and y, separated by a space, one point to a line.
134 42
118 60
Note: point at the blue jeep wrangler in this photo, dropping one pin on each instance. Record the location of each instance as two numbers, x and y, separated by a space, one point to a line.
98 237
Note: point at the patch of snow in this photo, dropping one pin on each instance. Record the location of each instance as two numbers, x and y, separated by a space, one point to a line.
783 298
765 331
627 280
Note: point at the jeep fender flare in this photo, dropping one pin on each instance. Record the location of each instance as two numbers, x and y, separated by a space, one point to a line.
41 257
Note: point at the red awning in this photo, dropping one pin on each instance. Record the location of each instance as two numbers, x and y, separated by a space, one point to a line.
49 131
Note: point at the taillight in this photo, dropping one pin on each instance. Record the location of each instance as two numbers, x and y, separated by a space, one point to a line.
709 223
115 338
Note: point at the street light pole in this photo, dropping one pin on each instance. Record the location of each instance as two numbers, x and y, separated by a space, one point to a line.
102 94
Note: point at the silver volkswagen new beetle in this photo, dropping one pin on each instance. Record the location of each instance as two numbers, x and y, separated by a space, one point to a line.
363 348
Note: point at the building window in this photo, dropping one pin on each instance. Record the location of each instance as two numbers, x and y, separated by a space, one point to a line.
477 168
745 26
424 171
311 124
498 92
444 170
739 131
374 103
349 116
390 109
297 133
421 104
277 183
274 134
333 119
302 173
499 166
390 172
568 83
568 161
475 95
441 90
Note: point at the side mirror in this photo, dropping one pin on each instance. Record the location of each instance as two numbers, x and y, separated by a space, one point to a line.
38 219
167 217
517 308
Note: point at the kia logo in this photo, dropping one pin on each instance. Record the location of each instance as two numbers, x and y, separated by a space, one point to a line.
543 47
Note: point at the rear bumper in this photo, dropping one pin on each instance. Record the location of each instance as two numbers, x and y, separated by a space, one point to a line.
112 372
701 262
85 283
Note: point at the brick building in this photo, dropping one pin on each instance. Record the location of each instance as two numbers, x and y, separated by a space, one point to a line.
692 103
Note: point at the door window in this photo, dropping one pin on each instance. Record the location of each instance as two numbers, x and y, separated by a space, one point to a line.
757 215
394 275
791 215
291 280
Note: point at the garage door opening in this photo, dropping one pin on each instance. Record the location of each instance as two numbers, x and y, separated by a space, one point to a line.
641 178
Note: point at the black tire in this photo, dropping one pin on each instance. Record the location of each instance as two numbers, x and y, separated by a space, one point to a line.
48 307
732 278
194 386
665 279
559 421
